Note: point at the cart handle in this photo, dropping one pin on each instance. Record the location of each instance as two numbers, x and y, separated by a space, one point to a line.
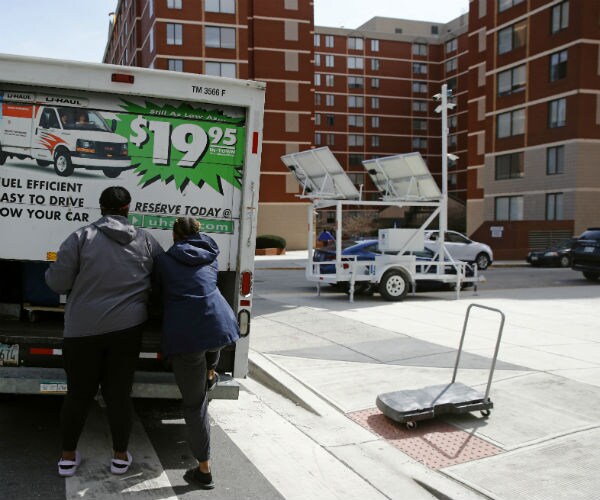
462 339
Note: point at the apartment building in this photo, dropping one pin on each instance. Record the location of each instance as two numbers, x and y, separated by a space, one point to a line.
524 76
534 116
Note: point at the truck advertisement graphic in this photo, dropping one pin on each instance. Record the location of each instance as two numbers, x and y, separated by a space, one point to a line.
58 152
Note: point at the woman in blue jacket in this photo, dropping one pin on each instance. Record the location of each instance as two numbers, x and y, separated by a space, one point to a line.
197 322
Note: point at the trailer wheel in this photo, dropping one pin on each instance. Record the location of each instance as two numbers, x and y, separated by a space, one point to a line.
62 163
111 173
411 426
393 285
485 413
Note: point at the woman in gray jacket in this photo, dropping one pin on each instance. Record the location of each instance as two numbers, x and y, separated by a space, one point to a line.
105 268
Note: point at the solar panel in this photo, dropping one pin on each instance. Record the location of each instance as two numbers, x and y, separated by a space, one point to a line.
403 177
320 175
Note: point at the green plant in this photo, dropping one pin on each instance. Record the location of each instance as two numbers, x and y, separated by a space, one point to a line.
270 241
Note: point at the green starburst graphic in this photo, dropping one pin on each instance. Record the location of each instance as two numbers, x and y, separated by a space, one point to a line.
183 145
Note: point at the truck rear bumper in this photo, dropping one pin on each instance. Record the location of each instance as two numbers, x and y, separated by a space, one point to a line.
52 381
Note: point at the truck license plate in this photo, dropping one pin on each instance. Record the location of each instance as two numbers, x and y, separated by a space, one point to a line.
53 387
9 355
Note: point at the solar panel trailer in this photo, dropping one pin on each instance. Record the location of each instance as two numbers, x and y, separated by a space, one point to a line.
403 181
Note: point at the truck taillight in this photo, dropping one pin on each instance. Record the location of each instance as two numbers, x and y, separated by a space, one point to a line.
246 284
244 322
122 78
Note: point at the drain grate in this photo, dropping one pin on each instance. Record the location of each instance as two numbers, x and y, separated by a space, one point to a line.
436 444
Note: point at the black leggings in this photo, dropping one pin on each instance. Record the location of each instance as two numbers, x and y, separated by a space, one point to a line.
107 360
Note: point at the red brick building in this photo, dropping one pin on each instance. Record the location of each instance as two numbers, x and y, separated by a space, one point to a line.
524 75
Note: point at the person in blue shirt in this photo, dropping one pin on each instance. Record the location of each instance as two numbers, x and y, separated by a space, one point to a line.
197 323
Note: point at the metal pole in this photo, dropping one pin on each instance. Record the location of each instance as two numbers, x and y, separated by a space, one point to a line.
444 207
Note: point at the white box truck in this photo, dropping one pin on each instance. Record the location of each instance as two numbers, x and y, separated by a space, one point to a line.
182 144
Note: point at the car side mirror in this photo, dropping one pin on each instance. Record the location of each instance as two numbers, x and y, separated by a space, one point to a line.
113 125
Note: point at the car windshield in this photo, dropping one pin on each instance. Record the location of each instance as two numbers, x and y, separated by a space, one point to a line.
82 119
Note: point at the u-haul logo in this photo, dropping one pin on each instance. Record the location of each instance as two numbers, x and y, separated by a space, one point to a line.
62 101
18 97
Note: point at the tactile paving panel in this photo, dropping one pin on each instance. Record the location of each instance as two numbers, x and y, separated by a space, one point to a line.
435 444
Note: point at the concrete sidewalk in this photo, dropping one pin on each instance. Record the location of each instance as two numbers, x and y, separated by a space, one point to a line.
331 358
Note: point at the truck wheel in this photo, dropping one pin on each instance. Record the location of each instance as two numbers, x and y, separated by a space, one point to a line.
393 285
62 163
591 276
482 260
111 173
43 163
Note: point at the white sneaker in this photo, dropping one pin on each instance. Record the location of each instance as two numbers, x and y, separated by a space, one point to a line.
118 466
67 468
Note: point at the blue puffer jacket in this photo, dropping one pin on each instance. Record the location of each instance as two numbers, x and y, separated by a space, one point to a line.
196 317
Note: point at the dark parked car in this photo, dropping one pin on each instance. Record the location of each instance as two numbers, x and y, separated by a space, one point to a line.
369 249
558 255
585 254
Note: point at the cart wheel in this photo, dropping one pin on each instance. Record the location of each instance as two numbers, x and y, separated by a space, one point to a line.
485 413
411 426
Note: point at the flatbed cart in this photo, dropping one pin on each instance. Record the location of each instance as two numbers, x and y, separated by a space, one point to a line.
410 406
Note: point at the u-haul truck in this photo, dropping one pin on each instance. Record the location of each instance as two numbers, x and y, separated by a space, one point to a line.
182 144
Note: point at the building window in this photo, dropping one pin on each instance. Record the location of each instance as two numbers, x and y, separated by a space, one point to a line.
419 143
357 178
220 69
356 140
511 81
317 99
419 49
557 113
291 4
434 30
317 79
317 118
375 102
554 206
355 63
507 4
451 64
223 38
375 141
420 106
375 83
419 124
508 208
174 34
317 59
419 68
317 138
419 87
560 17
173 4
330 138
355 159
355 43
355 121
317 40
451 45
356 82
558 65
375 122
452 140
175 65
511 123
452 120
329 99
452 83
398 31
375 45
355 101
330 120
509 166
329 61
151 40
512 38
555 160
329 80
223 6
329 41
374 64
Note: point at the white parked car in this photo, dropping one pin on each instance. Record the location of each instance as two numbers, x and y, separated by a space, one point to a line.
461 248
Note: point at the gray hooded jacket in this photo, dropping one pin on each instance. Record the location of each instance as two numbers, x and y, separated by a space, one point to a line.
105 268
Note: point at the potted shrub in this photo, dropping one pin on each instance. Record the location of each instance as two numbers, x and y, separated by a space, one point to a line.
269 244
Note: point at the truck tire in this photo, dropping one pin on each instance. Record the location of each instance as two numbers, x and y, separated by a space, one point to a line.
62 163
111 173
482 260
393 285
43 163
